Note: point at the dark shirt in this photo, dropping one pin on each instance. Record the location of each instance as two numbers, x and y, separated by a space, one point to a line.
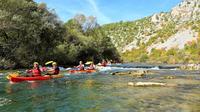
56 71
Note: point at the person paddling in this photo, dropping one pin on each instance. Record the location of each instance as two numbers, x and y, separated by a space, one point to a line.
80 66
104 63
55 69
92 66
35 71
109 62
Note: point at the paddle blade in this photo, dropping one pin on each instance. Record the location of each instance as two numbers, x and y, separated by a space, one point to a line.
12 75
49 62
89 62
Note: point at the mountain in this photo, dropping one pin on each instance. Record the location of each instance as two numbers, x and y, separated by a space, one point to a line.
175 29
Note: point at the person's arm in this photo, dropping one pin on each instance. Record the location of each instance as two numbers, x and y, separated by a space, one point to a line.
51 71
28 71
43 69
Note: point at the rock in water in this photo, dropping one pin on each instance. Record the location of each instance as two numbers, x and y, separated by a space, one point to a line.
149 84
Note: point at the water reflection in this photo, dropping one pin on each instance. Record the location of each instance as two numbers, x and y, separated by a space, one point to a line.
34 85
8 88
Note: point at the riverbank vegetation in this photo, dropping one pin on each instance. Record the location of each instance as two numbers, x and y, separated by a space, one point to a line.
190 54
31 32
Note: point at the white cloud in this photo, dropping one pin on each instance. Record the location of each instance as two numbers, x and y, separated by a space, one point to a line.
100 16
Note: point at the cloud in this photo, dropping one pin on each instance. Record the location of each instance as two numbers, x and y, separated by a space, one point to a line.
102 17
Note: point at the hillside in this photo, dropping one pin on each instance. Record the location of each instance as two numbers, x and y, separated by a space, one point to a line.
178 29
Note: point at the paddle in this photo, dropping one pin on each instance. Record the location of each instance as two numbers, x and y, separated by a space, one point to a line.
45 69
89 62
49 62
15 74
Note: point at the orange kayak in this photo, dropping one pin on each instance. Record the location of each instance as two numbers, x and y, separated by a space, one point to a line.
81 71
18 78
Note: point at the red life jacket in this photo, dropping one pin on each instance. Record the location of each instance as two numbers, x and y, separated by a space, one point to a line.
104 64
92 67
36 72
80 67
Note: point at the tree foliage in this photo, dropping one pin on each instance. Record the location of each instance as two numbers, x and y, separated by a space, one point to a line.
31 32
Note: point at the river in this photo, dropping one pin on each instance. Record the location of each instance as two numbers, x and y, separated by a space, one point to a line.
104 92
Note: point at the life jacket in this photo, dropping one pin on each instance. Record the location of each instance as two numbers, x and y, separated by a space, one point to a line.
104 64
36 72
56 71
80 67
91 67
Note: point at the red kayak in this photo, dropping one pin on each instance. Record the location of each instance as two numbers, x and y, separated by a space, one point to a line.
38 78
20 79
81 71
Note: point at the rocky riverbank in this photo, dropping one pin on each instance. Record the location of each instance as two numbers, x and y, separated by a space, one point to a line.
190 67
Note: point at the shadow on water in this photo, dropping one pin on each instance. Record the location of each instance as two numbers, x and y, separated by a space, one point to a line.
104 92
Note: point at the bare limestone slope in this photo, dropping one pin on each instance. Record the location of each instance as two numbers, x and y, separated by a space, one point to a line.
164 30
178 40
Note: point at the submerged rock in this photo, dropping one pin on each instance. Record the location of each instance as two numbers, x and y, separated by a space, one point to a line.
150 84
136 73
170 77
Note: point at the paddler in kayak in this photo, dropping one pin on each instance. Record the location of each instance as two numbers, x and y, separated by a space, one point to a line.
103 63
91 67
109 62
80 66
35 71
55 69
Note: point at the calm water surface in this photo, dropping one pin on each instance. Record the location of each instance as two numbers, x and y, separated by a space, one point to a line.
103 92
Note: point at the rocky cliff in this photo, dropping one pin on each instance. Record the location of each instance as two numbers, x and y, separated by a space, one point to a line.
164 30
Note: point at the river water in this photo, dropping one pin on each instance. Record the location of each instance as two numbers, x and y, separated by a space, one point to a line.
103 92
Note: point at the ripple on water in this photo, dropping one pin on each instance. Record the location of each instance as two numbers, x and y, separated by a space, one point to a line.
4 101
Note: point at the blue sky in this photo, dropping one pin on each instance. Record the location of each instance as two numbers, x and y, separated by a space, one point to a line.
108 11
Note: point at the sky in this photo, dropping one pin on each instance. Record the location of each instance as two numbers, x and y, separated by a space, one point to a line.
108 11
